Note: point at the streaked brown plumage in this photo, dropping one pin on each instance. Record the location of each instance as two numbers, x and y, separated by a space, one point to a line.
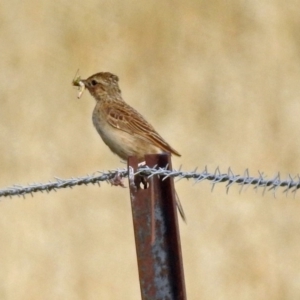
122 128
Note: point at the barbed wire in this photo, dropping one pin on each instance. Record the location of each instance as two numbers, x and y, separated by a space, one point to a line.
291 183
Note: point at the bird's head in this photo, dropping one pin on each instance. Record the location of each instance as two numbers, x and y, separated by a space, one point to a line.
100 85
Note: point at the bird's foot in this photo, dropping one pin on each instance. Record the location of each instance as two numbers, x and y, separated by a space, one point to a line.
117 180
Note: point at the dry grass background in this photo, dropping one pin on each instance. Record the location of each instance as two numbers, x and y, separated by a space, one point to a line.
218 79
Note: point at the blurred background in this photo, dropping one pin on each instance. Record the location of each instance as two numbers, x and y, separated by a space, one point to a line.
218 79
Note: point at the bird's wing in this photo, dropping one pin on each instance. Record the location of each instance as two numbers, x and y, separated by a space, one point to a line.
124 117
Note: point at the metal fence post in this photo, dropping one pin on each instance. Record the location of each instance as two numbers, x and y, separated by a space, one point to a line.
156 232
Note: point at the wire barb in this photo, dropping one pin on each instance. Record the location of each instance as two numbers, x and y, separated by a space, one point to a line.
290 184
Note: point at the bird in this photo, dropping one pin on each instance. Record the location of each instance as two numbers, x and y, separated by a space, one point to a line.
122 128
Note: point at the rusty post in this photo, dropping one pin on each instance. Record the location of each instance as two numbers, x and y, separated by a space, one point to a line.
156 232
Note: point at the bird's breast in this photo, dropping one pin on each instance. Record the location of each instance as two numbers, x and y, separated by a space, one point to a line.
120 142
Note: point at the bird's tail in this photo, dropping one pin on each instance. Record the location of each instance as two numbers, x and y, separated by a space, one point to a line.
180 208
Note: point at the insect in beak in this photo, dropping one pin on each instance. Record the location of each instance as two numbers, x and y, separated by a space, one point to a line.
79 83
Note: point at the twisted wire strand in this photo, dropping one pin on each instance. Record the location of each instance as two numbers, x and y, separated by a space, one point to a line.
290 184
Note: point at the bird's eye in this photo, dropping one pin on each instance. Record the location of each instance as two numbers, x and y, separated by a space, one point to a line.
94 82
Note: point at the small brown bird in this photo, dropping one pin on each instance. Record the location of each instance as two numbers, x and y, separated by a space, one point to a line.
121 127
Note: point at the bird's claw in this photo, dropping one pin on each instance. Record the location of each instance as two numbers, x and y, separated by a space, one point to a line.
117 180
